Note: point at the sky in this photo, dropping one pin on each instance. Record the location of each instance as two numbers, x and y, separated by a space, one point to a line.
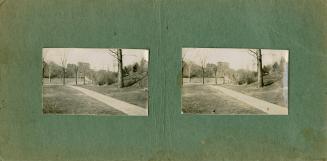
237 58
99 58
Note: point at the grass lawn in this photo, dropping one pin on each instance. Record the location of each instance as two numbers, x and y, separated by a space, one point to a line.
59 99
132 95
273 93
202 99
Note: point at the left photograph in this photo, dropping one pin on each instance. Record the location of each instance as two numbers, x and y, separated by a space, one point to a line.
95 81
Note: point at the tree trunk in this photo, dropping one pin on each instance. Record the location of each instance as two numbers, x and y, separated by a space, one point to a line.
63 80
84 79
223 72
120 68
49 74
223 79
202 75
189 73
76 77
259 69
216 77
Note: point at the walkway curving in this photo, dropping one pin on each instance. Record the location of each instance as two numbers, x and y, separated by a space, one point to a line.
125 107
265 106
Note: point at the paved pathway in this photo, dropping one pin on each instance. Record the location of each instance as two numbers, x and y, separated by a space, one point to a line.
125 107
265 106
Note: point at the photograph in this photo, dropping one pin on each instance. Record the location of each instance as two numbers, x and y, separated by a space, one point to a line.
95 81
231 81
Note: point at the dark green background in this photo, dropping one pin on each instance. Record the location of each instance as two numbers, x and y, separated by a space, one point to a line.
164 27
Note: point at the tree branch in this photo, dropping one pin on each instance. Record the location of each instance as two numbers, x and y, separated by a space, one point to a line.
112 51
64 61
253 53
113 54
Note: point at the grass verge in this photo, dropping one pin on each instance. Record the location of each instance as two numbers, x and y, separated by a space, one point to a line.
132 95
59 99
201 99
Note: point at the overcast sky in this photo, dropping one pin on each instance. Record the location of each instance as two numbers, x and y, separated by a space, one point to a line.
237 58
99 58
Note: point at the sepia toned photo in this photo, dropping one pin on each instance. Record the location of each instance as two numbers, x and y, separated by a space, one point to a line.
234 81
95 81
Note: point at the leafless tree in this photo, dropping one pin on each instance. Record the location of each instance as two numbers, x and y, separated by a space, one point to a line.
49 65
63 65
118 55
84 68
189 71
258 56
183 67
44 64
142 65
215 69
49 72
222 69
203 65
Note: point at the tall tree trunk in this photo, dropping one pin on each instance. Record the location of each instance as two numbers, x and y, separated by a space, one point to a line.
223 72
216 77
202 75
49 74
189 73
120 68
76 77
223 79
84 78
259 69
63 80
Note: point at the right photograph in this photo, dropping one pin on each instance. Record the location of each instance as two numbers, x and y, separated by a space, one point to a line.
232 81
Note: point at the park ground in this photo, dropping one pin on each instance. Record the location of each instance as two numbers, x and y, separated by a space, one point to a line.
273 90
62 99
205 99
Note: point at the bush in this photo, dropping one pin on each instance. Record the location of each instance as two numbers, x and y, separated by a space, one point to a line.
134 78
246 77
111 79
266 69
103 77
250 79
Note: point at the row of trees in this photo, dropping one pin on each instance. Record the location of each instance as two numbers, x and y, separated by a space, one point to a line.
222 70
53 70
208 70
83 70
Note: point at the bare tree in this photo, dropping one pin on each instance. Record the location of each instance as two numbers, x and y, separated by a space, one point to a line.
222 68
142 65
189 71
84 68
203 65
63 65
48 65
215 69
118 55
44 64
183 67
49 72
257 54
